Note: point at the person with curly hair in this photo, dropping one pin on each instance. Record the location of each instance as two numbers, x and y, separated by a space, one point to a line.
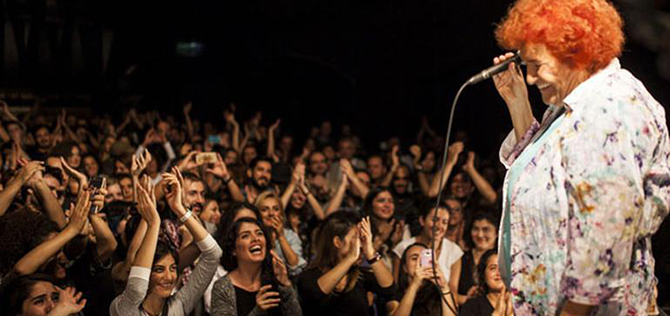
588 186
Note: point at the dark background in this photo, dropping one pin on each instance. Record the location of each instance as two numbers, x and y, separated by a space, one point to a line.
379 65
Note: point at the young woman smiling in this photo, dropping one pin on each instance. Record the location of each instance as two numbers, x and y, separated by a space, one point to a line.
154 274
258 282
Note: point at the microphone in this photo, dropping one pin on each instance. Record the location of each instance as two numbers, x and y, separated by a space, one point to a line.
494 70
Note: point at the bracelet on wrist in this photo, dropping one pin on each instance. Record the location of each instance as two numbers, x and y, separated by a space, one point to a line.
186 216
374 259
230 178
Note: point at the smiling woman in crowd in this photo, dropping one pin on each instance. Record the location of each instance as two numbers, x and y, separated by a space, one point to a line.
154 274
258 282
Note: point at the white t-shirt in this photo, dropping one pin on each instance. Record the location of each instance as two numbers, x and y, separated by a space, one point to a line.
449 254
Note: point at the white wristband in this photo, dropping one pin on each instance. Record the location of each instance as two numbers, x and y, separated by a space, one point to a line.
186 216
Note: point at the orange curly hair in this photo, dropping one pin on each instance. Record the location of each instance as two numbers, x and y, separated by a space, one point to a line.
583 34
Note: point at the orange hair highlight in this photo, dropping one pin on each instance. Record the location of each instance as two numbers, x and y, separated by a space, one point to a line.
583 34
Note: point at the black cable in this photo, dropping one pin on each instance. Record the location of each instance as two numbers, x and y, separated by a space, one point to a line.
439 196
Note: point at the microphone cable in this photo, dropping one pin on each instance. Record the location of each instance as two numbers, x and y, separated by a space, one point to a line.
439 197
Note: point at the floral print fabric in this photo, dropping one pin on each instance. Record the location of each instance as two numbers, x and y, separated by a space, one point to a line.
581 211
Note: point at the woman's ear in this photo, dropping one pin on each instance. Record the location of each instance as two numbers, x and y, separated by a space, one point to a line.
249 174
337 242
422 221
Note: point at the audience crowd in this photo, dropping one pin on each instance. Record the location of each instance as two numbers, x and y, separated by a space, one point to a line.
169 215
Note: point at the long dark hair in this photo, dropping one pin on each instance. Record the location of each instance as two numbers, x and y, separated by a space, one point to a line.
481 268
16 291
428 297
367 203
163 249
229 261
227 219
326 257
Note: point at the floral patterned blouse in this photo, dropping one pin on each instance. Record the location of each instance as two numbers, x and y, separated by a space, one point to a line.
581 210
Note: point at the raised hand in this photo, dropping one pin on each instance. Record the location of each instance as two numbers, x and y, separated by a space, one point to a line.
69 302
63 118
279 269
510 84
146 201
73 173
274 127
140 163
396 236
469 165
219 169
354 250
151 137
346 167
187 108
174 194
415 150
5 108
298 172
98 199
79 214
344 181
394 157
503 305
29 170
266 299
422 273
229 116
277 224
305 153
454 150
365 233
188 162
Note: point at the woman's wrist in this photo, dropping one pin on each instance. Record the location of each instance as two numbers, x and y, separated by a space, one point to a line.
372 256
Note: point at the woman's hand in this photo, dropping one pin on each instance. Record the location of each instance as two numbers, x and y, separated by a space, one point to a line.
73 173
354 251
69 302
79 213
415 150
510 84
30 171
98 198
469 165
422 273
280 270
277 224
188 162
454 150
140 163
146 202
365 233
395 159
219 169
503 305
266 299
174 193
396 235
298 172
